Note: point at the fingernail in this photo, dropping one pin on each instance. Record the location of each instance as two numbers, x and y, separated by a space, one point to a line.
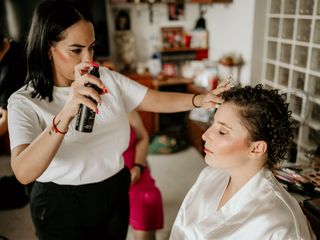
104 89
97 111
84 71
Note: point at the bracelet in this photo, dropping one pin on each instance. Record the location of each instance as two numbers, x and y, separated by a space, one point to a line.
140 166
193 97
55 128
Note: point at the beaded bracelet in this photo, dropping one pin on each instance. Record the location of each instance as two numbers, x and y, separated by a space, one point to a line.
140 166
55 128
193 97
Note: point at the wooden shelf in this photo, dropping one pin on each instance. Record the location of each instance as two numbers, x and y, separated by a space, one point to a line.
182 49
171 81
167 1
195 89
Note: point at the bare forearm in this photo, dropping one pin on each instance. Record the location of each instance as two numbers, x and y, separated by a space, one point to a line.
142 152
167 102
30 161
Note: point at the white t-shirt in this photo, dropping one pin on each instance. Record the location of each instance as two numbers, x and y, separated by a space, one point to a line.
82 157
261 209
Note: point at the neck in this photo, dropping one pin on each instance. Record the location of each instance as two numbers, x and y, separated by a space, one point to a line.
239 177
60 82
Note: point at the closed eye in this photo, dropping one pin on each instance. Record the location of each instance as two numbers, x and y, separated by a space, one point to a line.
222 133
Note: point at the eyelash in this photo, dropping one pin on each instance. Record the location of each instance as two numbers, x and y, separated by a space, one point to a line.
78 51
221 132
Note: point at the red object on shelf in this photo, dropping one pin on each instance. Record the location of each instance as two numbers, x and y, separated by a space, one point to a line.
187 40
214 82
202 54
169 69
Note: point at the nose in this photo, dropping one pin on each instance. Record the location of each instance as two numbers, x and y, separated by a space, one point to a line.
87 56
206 134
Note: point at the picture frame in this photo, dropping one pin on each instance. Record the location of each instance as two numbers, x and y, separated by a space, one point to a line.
176 10
172 37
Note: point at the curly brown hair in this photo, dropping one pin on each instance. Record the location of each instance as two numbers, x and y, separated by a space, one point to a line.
266 116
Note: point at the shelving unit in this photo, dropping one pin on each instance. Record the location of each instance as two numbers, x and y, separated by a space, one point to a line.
291 63
176 57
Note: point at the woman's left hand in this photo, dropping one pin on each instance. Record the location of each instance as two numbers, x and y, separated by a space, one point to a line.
213 98
135 174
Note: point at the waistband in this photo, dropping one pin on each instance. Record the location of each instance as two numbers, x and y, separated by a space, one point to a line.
113 179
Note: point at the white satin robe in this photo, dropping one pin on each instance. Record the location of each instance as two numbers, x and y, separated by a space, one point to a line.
261 209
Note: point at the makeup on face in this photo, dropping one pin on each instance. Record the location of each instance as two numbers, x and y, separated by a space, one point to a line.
76 46
226 141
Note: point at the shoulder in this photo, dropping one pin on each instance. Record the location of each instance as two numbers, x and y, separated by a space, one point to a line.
283 211
106 74
210 172
280 196
22 94
210 176
125 85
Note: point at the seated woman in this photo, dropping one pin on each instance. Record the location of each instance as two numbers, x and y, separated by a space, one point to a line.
146 210
237 196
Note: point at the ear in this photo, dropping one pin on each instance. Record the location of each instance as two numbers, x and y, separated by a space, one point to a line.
50 54
258 149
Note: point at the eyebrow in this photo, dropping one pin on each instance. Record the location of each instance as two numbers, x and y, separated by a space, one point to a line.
81 46
225 125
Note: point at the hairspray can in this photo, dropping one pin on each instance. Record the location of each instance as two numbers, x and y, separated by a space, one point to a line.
86 116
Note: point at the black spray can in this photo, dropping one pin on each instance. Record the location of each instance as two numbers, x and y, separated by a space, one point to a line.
86 116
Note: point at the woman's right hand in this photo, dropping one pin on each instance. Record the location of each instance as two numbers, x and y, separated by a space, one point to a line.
81 93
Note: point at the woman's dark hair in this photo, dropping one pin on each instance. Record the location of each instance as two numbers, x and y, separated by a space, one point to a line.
266 116
50 19
2 37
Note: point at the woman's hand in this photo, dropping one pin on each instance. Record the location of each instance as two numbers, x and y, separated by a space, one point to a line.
81 93
213 98
135 174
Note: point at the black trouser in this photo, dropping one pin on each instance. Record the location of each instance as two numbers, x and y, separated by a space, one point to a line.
90 211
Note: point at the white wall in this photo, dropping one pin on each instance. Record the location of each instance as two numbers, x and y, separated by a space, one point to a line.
231 28
258 41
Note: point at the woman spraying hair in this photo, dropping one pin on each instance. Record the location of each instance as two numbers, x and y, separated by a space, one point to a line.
81 184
